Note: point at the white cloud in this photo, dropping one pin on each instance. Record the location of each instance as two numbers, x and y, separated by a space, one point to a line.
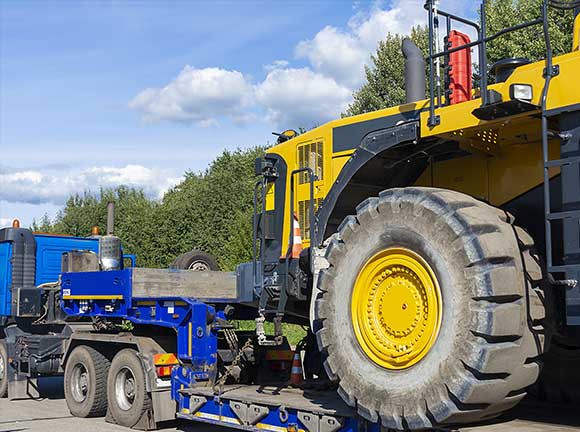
301 98
4 222
335 54
342 54
37 187
199 96
289 96
277 64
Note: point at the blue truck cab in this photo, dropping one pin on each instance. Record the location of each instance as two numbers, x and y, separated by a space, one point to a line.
29 260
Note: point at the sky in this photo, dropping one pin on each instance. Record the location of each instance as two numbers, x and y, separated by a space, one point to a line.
104 93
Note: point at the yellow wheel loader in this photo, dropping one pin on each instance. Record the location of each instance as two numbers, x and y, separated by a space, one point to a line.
441 237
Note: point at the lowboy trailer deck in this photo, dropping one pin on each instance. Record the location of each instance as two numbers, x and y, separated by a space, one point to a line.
179 373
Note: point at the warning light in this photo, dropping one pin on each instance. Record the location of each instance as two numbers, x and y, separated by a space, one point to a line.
95 231
15 223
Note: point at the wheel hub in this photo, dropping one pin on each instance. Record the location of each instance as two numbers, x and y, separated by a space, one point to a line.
396 308
198 266
79 382
125 388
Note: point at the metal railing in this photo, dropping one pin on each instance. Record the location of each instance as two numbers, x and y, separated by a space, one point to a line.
549 72
482 40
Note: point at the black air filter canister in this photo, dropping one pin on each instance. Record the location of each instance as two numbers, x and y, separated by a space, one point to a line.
110 255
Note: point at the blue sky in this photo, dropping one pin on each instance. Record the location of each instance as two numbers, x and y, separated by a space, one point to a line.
136 92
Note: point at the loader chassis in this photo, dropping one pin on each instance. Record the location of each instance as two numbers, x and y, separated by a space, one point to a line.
499 166
498 161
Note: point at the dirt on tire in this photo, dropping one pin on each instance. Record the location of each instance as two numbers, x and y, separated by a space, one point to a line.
491 336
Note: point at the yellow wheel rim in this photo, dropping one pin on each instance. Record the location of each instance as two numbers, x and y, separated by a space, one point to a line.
396 308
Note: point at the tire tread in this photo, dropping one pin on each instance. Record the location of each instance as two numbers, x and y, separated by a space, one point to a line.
482 226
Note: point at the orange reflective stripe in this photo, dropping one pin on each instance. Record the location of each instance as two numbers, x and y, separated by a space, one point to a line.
165 359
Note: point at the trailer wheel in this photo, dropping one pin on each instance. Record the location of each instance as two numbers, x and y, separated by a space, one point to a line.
195 260
128 397
430 311
3 370
85 382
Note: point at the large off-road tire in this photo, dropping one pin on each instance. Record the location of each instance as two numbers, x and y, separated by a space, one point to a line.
85 382
3 370
195 260
481 297
128 399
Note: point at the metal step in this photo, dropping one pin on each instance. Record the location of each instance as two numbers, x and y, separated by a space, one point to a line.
564 161
321 401
564 268
572 214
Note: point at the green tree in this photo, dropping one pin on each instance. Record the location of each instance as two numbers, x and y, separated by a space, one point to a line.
133 219
385 84
527 43
385 81
78 216
211 211
44 225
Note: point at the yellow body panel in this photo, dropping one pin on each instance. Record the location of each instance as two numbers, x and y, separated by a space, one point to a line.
496 179
288 151
270 192
564 91
505 158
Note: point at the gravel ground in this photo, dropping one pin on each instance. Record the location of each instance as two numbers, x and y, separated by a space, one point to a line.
51 414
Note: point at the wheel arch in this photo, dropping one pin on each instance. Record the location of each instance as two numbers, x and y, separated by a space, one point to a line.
368 162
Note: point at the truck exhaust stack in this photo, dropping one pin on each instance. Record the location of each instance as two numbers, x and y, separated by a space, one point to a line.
110 217
110 255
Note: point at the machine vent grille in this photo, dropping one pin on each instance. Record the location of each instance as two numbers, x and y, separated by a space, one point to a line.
304 216
310 156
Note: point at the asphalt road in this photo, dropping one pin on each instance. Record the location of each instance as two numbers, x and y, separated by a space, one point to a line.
51 414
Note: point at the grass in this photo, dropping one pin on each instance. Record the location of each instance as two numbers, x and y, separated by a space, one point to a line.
293 332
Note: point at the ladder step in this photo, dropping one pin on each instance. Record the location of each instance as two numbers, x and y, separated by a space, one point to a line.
561 162
564 268
572 214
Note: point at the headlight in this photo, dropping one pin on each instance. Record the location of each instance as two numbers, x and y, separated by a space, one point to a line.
522 92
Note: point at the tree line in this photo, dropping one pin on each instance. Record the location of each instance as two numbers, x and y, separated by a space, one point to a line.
212 210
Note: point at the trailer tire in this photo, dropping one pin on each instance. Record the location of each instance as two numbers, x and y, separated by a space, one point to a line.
3 370
85 382
195 260
485 352
128 398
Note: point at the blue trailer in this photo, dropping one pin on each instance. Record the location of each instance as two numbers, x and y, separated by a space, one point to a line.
143 346
174 362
